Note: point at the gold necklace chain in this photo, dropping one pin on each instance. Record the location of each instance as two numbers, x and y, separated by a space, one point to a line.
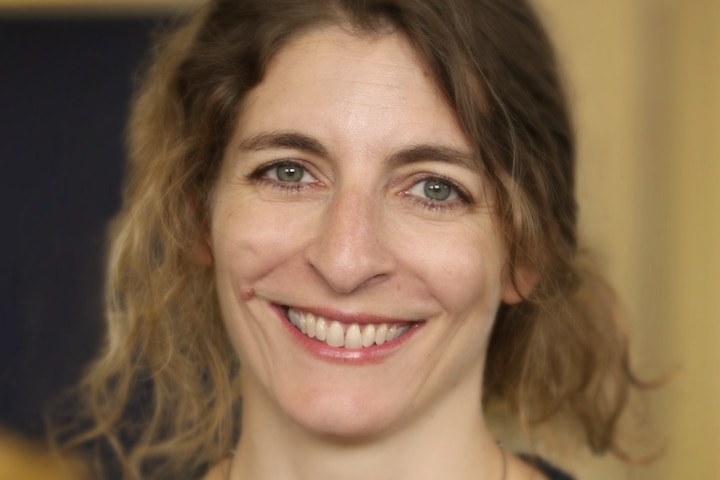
502 454
504 461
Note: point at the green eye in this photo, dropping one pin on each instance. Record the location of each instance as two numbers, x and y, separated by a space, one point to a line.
436 189
289 172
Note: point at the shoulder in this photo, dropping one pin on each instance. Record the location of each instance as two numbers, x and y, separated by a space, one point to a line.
218 472
550 471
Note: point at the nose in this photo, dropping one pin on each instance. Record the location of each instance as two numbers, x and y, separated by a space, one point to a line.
349 250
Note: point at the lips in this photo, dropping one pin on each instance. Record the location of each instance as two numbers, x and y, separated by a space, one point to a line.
346 335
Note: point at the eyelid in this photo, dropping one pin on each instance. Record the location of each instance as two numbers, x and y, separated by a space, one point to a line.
262 171
460 192
274 170
418 190
261 177
459 200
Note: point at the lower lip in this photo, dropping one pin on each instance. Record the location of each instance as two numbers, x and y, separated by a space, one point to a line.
356 356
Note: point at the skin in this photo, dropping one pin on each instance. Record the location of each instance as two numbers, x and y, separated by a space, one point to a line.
357 237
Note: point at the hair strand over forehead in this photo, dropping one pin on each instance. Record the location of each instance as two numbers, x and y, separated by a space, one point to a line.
561 350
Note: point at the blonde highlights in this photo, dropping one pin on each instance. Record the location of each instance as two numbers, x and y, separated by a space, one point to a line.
163 397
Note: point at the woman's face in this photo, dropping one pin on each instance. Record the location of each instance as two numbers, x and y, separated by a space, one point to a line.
350 208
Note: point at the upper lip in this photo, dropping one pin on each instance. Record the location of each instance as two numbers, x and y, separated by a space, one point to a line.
348 317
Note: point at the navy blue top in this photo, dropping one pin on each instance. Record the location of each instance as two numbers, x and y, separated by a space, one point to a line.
550 471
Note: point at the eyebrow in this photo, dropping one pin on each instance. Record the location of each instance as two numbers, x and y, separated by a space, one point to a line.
436 153
293 140
408 155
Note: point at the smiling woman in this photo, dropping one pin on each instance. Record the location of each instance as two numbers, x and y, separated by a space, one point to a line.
363 213
334 234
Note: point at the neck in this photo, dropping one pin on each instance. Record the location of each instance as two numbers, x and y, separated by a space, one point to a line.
436 443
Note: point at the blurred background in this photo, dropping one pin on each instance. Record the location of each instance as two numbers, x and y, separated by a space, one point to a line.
644 79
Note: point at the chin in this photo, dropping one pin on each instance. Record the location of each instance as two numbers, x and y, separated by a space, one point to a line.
342 415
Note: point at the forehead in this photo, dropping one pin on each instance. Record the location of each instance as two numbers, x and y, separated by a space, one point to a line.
329 79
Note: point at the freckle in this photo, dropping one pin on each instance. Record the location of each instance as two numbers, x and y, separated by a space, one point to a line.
247 293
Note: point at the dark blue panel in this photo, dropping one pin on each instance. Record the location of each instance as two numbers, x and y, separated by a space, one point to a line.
65 86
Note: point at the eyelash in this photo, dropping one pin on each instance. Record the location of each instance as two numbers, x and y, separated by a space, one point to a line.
462 199
261 175
437 206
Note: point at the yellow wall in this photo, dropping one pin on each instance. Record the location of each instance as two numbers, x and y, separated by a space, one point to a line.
95 3
644 76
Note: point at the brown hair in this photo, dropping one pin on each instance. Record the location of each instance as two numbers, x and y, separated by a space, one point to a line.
167 355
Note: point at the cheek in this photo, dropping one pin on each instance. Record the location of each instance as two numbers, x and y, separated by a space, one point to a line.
251 239
462 266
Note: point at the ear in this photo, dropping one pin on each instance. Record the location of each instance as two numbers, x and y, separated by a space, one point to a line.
202 252
519 284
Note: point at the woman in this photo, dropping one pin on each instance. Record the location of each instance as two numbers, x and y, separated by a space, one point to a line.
358 217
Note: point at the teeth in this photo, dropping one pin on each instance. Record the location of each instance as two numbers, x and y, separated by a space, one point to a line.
336 335
293 316
381 333
392 333
368 335
310 325
321 329
353 337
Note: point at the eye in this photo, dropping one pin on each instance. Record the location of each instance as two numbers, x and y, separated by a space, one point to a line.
289 172
285 175
435 188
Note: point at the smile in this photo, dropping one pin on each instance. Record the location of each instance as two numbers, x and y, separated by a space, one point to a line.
345 335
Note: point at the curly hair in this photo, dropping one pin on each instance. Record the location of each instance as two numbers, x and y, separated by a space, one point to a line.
164 396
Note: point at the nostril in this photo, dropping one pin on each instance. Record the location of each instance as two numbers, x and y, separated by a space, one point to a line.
348 250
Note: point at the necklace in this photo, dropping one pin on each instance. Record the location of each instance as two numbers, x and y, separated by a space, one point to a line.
502 454
504 461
